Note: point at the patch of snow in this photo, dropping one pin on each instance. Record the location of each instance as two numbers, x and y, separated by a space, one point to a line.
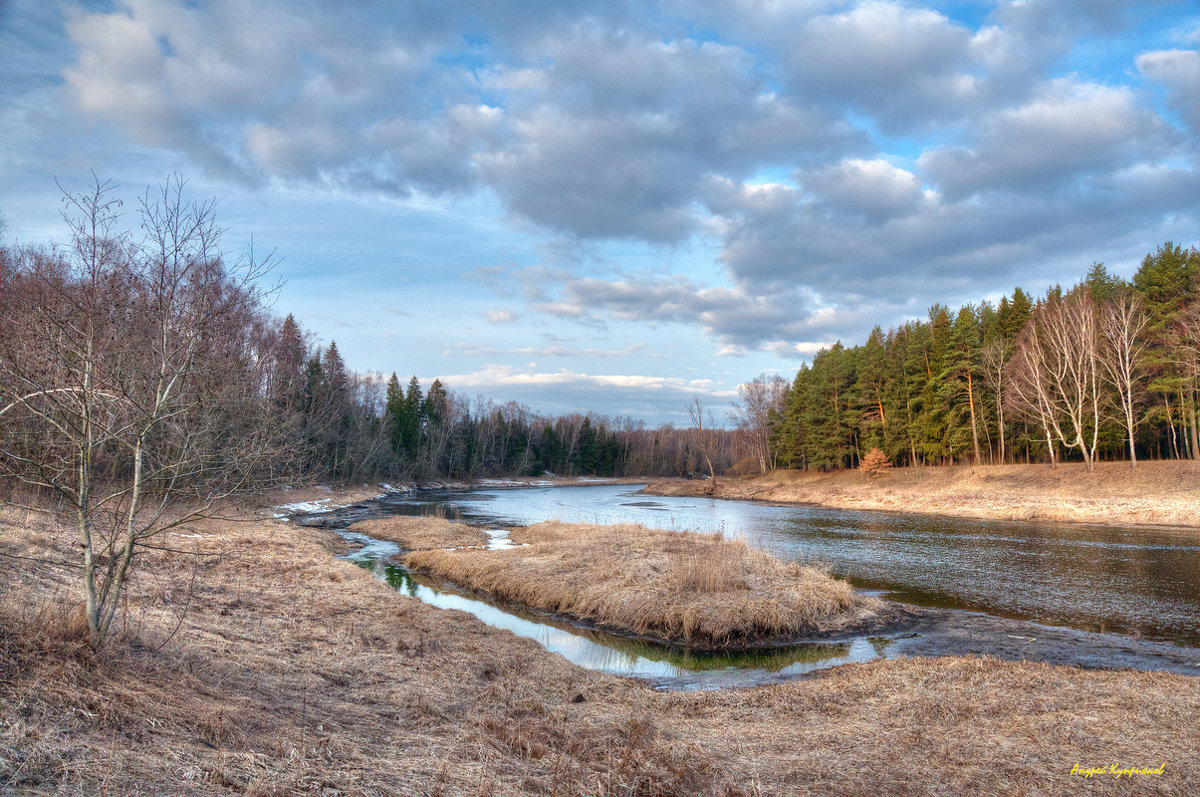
499 540
302 506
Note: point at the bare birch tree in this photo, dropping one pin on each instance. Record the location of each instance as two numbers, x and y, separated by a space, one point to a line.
994 356
758 399
1123 321
129 394
1055 374
705 438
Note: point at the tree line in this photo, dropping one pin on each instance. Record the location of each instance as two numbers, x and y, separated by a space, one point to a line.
355 427
86 327
1108 369
145 384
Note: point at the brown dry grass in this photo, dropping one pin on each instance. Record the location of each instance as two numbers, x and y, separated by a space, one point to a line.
1157 493
699 589
420 533
294 673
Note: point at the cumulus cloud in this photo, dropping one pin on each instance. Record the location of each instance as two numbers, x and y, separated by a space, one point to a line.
850 160
1071 129
472 350
897 62
507 375
1179 71
616 134
875 189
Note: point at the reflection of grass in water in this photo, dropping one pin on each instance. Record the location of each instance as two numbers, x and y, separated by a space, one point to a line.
769 659
880 644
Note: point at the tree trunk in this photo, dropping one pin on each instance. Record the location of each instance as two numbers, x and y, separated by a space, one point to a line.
1000 418
1171 427
1191 404
974 426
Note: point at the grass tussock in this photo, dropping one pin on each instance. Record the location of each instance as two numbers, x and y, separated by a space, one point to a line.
698 589
421 533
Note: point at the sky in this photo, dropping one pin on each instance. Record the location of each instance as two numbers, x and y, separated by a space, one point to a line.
617 206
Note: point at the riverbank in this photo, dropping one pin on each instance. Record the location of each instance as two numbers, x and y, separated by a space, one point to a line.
1157 493
676 587
273 668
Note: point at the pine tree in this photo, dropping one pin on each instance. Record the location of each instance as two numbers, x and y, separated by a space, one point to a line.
959 384
1012 316
872 364
393 414
410 419
1103 285
1167 284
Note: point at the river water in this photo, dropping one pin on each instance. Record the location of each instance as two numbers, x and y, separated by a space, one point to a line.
1135 581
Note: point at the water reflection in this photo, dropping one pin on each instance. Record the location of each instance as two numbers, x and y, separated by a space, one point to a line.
1098 578
598 650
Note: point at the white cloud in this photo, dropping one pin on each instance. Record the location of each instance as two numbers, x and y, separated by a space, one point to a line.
1179 71
494 376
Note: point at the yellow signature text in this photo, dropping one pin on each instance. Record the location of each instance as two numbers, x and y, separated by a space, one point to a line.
1117 771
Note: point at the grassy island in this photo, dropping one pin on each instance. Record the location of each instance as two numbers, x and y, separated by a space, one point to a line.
701 590
421 533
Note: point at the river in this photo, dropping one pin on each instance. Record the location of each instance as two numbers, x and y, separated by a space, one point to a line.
1094 596
1128 580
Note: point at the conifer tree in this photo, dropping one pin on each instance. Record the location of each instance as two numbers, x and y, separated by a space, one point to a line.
959 383
393 413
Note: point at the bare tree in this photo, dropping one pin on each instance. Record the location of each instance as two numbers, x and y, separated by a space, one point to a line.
1122 323
705 437
994 356
130 393
1055 374
759 402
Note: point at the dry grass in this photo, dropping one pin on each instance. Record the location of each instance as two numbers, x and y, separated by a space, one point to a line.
421 533
295 674
1157 493
697 589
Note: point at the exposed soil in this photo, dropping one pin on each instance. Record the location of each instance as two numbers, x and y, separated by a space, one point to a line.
1157 493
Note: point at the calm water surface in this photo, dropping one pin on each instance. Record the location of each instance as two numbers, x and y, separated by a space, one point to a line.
1125 580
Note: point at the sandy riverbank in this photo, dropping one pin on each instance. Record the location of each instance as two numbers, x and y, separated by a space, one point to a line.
1157 493
294 673
699 590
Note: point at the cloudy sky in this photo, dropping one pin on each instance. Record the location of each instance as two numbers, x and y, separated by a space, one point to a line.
616 206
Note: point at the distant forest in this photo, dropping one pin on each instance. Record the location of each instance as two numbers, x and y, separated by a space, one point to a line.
151 352
152 355
1108 369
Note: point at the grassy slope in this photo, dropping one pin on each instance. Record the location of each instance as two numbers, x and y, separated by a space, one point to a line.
677 586
1165 493
294 673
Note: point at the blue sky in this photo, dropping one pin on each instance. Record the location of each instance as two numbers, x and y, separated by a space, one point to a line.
614 206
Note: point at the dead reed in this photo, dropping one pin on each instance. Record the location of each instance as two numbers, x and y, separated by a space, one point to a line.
420 533
701 590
